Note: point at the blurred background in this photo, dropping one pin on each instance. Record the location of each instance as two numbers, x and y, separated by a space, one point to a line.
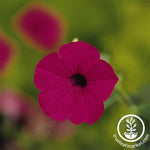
29 30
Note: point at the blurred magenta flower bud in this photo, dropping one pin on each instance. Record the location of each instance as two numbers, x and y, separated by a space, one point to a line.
40 26
7 52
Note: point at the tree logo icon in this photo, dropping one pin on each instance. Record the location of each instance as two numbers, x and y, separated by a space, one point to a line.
131 128
131 134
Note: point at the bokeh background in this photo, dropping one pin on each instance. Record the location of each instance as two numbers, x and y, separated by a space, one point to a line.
121 32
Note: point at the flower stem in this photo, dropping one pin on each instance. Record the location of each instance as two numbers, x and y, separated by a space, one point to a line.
124 96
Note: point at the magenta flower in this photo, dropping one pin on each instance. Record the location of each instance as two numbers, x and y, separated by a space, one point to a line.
6 52
74 83
40 26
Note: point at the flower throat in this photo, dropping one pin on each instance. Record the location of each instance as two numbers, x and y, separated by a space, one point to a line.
79 80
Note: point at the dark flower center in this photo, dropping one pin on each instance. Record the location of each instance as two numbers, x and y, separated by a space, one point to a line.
78 79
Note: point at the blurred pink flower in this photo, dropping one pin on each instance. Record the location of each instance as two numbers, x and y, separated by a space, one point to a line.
6 52
44 126
41 26
18 107
74 83
13 104
63 129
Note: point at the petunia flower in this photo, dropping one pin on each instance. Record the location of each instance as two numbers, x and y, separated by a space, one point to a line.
74 83
40 26
7 52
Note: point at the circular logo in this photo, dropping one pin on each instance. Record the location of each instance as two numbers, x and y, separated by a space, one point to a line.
131 128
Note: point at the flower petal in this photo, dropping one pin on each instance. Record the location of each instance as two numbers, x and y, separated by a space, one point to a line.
100 71
58 103
89 110
101 80
103 88
79 56
48 69
44 80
